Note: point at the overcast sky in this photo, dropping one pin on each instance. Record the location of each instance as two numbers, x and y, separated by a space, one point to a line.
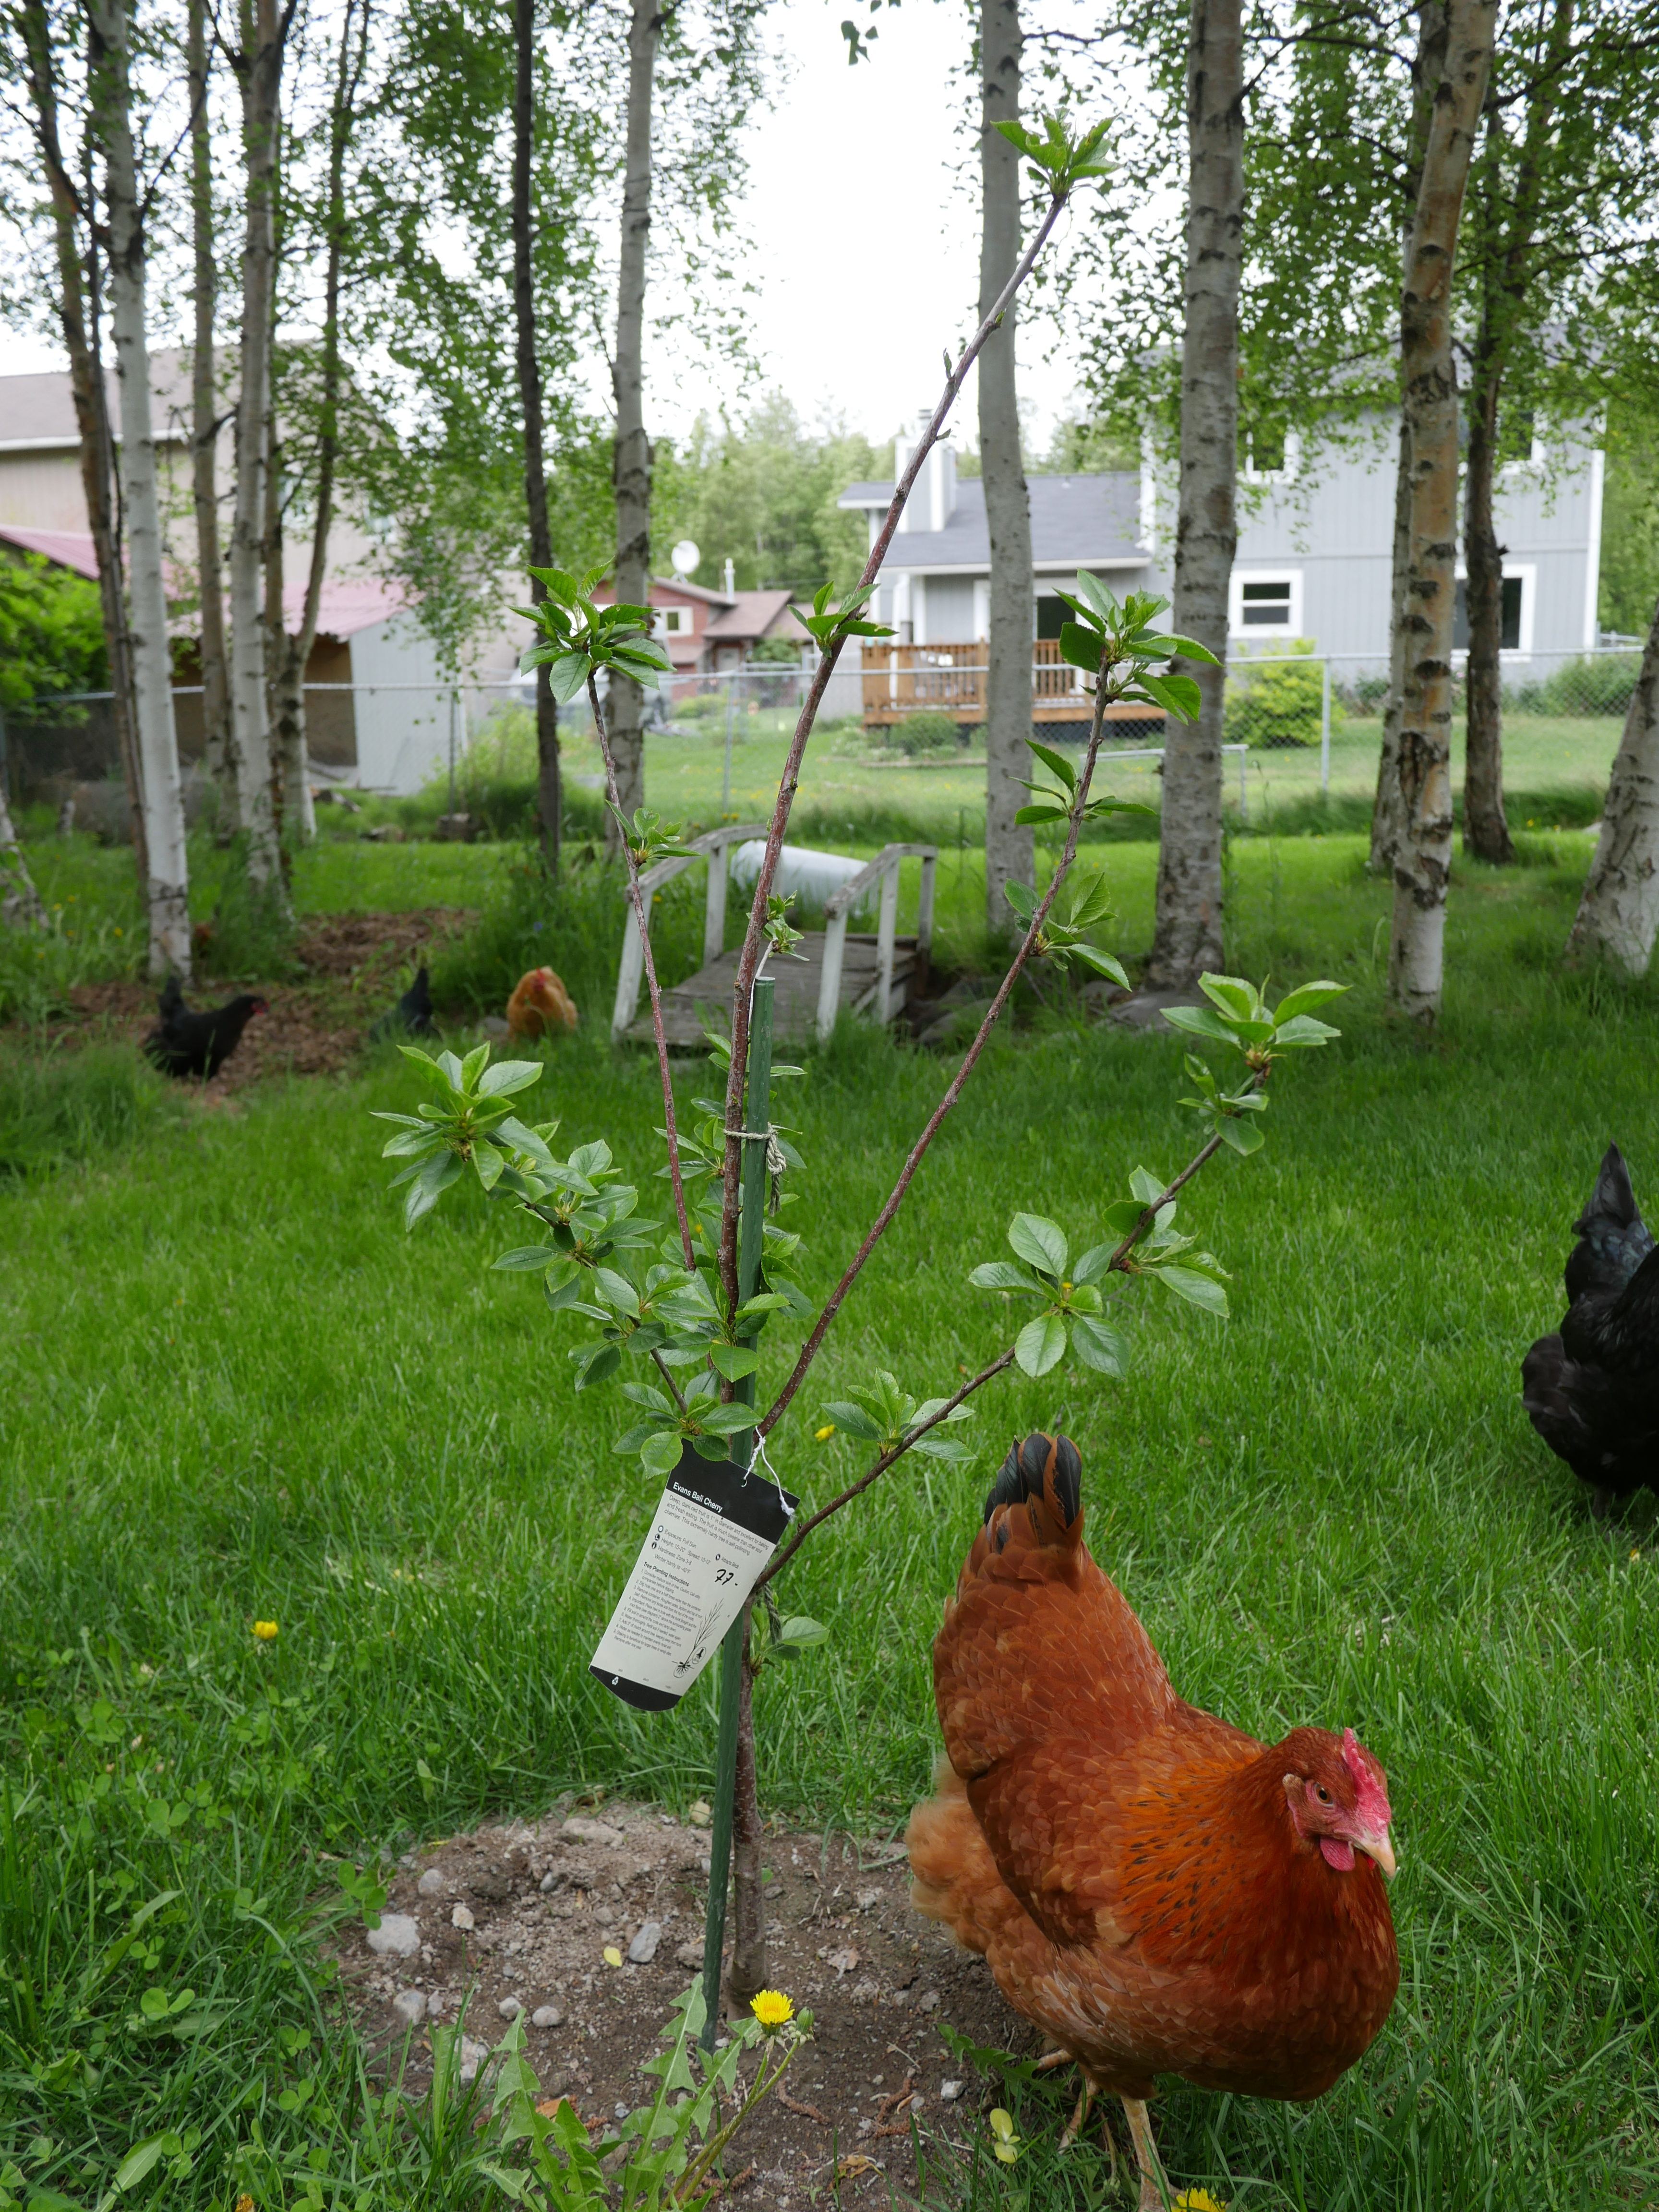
875 153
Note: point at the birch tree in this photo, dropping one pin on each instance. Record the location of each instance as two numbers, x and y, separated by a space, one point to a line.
167 889
218 751
1008 847
549 797
1188 935
74 251
1619 911
632 448
258 66
292 652
1422 862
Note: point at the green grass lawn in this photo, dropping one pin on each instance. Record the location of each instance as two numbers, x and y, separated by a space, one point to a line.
234 1389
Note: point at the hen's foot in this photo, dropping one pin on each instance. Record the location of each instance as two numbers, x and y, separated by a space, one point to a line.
1079 2120
1154 2195
1055 2058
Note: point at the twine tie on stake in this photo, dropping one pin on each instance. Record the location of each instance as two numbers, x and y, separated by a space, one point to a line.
776 1165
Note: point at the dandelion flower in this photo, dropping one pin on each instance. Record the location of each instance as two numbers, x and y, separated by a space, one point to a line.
1198 2200
1005 2142
264 1630
612 1956
824 1435
772 2008
245 2204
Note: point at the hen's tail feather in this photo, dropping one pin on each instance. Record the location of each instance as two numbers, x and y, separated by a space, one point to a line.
954 1877
1046 1467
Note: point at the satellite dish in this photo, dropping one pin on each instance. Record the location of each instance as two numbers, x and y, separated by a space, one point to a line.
685 557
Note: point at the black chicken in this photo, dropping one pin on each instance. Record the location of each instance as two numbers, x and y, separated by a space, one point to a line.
1592 1391
186 1043
412 1015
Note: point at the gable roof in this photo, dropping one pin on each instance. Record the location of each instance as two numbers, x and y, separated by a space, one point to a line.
38 411
1075 520
65 548
755 615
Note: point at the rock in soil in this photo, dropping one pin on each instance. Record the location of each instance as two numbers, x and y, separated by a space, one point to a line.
397 1937
876 2065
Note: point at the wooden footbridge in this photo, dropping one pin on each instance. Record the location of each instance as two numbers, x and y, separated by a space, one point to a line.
866 972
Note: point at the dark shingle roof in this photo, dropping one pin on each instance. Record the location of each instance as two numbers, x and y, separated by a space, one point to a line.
1073 519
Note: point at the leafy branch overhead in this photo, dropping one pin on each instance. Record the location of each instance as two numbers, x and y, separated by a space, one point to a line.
579 638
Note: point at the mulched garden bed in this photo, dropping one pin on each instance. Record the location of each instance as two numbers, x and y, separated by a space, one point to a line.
516 1919
349 968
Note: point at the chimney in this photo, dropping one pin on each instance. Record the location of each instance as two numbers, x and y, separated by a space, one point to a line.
731 573
934 499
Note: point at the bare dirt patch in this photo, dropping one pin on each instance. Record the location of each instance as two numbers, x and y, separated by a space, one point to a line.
517 1919
348 968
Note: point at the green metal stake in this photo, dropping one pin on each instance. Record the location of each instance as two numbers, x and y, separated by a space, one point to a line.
757 1108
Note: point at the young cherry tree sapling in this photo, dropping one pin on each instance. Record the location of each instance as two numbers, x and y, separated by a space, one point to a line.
686 1303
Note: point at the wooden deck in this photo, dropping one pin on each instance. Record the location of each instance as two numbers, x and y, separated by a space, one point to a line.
950 680
705 1000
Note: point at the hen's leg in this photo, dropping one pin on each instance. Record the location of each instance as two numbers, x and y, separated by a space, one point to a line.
1153 2195
1079 2120
1055 2058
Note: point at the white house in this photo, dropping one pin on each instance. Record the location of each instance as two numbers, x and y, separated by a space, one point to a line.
1315 547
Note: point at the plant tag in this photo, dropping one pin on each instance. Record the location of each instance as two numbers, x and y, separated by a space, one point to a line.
714 1532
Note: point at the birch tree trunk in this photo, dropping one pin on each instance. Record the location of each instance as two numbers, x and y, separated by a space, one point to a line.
217 753
632 453
1619 912
1422 861
20 901
294 754
1485 828
86 385
549 797
260 67
1387 811
1009 852
168 889
1506 275
1187 939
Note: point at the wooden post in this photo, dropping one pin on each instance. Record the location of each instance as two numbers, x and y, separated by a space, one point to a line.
885 930
835 953
629 976
757 1108
714 912
925 923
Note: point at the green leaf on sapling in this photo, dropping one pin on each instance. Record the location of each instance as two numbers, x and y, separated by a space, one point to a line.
1040 1344
508 1075
1081 647
1098 1346
1301 1031
661 1452
1041 1244
733 1361
1200 1021
1056 762
853 1419
1003 1275
1145 1185
487 1163
1198 1290
1125 1215
1306 998
1244 1137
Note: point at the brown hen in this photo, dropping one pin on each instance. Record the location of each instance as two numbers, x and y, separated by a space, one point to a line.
539 1005
1155 1889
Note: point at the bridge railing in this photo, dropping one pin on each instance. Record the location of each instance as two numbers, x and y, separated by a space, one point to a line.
716 847
883 870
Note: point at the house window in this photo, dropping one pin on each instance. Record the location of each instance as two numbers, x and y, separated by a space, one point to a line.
1266 602
672 621
1052 612
1268 453
1510 636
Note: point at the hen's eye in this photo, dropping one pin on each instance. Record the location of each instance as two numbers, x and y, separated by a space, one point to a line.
1321 1793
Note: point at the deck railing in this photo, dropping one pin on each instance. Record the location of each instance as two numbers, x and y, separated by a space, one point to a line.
908 679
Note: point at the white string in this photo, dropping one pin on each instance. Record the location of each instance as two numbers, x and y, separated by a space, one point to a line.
758 1455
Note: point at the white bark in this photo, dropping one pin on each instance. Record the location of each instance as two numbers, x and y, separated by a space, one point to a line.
218 749
632 453
1619 912
1009 854
1186 940
260 71
20 901
1422 860
168 893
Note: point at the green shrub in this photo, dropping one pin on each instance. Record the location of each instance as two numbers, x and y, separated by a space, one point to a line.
1600 683
929 730
38 968
1278 703
75 1106
696 705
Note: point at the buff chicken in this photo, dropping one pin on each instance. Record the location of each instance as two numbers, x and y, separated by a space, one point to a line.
539 1005
1152 1888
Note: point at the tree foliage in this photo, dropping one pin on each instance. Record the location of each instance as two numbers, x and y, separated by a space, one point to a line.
52 634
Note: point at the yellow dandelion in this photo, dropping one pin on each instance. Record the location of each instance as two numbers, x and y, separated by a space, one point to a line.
823 1435
264 1630
1198 2200
612 1956
1005 2142
772 2008
245 2204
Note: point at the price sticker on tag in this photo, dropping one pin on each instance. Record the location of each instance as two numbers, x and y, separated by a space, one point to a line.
713 1531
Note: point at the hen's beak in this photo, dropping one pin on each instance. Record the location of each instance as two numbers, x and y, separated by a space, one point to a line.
1376 1845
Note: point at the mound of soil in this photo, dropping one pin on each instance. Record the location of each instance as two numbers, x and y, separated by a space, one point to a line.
517 1919
350 968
